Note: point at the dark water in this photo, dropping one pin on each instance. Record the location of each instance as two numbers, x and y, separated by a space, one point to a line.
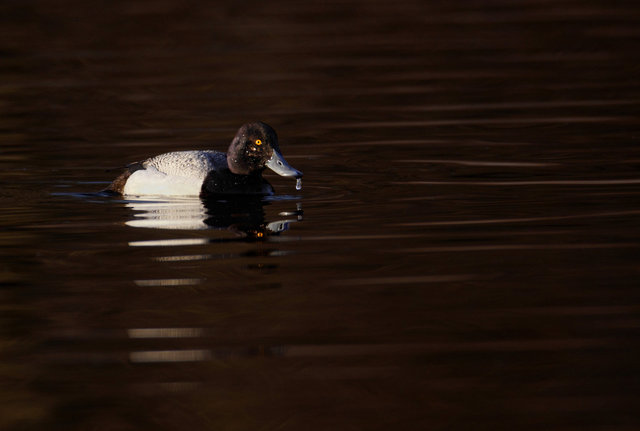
464 253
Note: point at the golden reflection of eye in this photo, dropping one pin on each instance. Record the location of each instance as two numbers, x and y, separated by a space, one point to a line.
258 142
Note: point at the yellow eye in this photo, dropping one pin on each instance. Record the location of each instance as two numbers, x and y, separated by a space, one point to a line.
258 142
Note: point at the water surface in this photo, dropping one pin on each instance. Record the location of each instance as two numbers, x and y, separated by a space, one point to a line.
463 253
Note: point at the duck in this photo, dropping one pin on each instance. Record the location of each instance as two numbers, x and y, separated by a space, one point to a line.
207 173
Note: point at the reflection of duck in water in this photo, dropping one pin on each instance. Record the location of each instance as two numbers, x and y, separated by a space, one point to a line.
210 173
244 216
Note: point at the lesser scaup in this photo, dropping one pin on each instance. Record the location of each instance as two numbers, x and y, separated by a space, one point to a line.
210 173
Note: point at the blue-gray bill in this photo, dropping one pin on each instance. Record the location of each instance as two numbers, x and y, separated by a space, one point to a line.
279 165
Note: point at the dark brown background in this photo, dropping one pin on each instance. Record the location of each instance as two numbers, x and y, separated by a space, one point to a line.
468 256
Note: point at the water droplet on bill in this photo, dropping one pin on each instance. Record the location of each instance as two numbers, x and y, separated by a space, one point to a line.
299 184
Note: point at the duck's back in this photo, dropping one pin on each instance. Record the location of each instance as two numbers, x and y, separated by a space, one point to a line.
189 164
180 173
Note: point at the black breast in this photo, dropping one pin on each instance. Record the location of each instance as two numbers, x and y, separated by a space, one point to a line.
223 182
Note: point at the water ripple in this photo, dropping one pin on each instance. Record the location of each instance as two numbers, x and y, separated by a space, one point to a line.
170 356
337 350
515 247
165 332
169 282
629 181
404 279
479 163
519 220
484 121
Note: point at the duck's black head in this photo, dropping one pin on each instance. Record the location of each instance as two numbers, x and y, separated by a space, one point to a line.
255 147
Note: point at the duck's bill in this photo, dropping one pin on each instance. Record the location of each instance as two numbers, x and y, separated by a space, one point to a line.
279 165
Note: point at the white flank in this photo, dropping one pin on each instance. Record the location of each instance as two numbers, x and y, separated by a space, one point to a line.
151 181
180 173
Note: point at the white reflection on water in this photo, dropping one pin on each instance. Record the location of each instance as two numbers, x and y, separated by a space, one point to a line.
168 214
169 242
244 216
